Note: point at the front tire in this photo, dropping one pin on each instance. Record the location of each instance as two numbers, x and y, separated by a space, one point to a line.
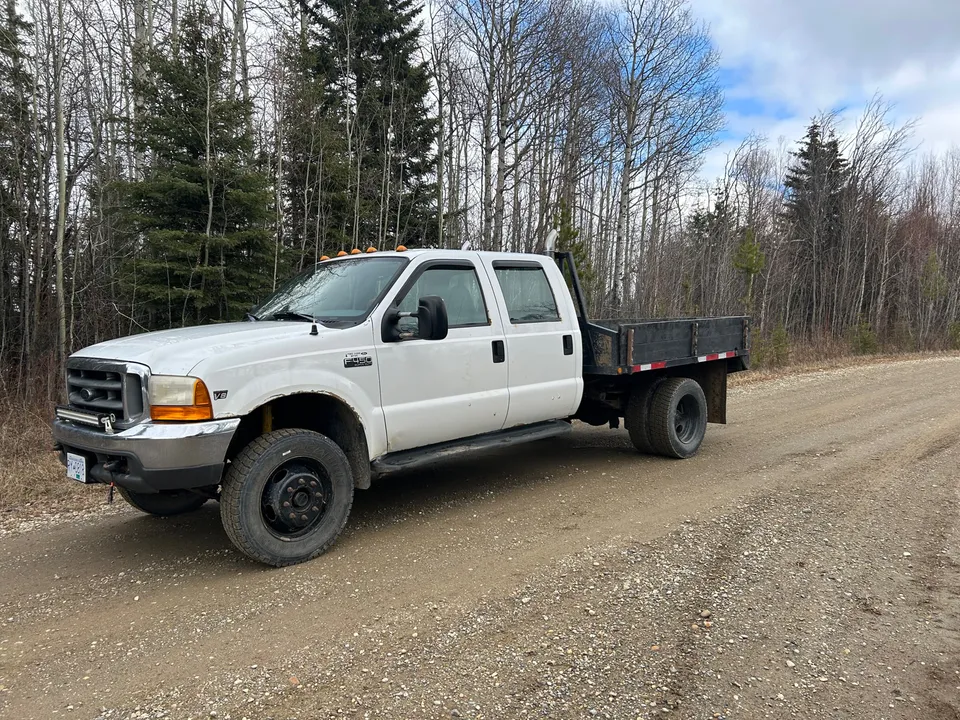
678 418
163 504
286 497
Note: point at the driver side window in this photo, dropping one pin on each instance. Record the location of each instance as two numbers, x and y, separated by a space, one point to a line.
460 290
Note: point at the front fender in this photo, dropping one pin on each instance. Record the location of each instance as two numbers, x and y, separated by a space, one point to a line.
247 389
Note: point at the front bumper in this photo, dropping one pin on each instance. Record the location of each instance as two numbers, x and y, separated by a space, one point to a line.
150 458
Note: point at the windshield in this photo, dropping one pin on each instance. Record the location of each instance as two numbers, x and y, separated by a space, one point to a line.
341 291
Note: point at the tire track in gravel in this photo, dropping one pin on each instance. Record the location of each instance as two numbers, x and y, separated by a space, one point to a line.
724 564
854 503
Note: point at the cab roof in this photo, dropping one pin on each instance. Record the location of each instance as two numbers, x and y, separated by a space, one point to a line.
442 253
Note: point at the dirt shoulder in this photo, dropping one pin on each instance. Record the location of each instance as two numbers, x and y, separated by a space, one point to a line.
834 364
819 530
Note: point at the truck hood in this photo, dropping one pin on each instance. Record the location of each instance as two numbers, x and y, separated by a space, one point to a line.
177 352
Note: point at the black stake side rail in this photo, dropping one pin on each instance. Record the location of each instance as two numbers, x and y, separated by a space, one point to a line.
628 346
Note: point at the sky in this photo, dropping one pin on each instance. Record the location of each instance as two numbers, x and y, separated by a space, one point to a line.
785 61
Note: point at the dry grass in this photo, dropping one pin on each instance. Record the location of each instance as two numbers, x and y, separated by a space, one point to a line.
32 480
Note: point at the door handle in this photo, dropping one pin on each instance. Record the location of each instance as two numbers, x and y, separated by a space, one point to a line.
568 344
499 351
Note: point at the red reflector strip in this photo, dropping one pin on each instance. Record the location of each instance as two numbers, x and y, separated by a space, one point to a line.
717 356
650 366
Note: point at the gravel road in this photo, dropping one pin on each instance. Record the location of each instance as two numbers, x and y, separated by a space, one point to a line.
806 564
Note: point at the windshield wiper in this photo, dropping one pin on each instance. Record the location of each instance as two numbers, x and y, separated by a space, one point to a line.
290 315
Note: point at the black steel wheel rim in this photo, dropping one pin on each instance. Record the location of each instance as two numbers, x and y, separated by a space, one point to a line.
686 419
295 498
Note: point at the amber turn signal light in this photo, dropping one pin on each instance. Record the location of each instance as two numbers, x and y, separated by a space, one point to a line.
201 409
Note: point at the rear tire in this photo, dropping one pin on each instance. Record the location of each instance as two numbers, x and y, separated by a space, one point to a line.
287 497
637 417
163 504
678 418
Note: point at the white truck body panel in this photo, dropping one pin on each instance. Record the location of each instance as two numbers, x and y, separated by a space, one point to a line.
544 383
369 365
438 390
415 392
177 351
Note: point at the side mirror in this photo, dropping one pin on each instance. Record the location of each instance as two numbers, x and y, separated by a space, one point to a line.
432 323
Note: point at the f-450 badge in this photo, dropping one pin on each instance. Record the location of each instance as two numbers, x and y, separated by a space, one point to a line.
358 359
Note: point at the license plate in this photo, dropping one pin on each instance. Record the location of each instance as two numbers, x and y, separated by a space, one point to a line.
76 467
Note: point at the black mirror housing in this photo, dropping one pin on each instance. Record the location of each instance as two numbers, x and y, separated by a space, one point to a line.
432 322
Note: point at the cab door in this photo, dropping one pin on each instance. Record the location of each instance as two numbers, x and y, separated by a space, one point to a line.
544 354
438 390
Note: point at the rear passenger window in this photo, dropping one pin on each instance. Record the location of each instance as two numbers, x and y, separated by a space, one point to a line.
527 293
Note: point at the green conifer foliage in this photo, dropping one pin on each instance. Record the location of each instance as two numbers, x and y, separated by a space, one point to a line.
568 240
316 173
750 260
815 185
20 178
201 209
376 89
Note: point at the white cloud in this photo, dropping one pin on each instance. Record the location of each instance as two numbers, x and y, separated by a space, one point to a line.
789 60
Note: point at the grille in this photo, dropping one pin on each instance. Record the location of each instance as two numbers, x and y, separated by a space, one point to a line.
105 389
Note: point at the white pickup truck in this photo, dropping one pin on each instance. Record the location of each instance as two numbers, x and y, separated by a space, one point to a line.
371 363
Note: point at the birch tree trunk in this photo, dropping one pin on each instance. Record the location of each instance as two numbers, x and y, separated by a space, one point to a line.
57 45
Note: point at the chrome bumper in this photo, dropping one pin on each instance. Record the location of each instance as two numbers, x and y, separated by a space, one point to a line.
151 457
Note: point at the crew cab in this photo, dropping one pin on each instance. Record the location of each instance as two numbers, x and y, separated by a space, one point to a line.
375 362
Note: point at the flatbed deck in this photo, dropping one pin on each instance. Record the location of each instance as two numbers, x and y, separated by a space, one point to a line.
618 347
624 347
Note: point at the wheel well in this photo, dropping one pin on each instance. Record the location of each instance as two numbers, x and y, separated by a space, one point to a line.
324 414
606 397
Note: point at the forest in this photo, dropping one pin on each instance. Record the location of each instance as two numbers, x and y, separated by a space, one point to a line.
168 162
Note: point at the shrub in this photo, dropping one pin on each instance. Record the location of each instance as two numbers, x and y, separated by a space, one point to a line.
863 339
953 335
772 350
779 346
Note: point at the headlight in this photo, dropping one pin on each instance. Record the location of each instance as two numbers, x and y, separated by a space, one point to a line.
173 397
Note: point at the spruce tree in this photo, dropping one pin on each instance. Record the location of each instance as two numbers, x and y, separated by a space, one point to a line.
709 230
815 183
568 240
20 177
750 260
315 166
16 117
201 209
16 113
376 90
